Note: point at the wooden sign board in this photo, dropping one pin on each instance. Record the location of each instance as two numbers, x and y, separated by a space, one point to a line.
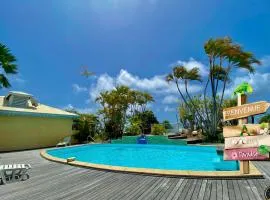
244 154
245 110
247 142
235 131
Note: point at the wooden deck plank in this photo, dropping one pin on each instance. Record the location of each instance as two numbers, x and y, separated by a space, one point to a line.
50 180
243 189
181 188
237 192
164 189
166 192
148 189
213 195
175 189
191 189
231 189
254 190
137 188
202 189
225 192
186 189
208 188
196 192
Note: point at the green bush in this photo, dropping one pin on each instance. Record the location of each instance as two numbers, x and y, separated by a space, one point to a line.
133 129
265 118
87 125
101 137
263 125
157 129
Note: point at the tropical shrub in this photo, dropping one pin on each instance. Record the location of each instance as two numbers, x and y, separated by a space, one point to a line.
117 105
87 126
265 118
158 129
167 125
263 125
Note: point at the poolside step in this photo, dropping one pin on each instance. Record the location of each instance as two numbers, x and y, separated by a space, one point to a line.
225 166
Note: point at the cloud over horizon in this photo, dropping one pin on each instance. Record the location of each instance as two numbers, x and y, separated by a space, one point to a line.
155 85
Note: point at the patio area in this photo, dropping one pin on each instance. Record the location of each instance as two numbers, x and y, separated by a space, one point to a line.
50 180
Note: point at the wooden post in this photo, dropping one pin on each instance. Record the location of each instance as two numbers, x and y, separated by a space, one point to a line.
244 164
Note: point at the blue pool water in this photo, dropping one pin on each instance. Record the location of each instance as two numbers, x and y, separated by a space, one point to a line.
167 157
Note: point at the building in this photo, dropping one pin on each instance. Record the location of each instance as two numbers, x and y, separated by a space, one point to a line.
27 124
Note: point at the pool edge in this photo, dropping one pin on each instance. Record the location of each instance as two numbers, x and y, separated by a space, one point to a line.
254 172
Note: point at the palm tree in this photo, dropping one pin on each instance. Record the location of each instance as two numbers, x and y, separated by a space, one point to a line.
223 56
181 73
223 52
7 63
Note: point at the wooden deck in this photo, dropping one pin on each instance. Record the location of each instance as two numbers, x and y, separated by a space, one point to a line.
51 180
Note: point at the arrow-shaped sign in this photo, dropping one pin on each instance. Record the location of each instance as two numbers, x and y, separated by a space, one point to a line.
245 110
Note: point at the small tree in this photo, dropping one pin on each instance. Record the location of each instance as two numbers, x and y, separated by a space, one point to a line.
158 129
88 127
167 125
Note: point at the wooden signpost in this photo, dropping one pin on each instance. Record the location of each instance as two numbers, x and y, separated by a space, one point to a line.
244 154
242 141
247 141
234 131
246 110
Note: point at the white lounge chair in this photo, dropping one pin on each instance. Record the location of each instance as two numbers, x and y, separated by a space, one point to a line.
13 173
66 141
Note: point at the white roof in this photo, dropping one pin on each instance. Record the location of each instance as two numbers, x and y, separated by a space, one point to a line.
41 110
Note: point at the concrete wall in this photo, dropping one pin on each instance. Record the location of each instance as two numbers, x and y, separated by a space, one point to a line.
21 132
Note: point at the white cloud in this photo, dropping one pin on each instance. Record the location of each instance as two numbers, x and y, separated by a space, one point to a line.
259 82
104 83
193 63
265 61
156 84
170 99
78 89
169 109
80 110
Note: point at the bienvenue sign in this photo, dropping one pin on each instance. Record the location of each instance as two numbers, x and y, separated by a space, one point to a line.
245 110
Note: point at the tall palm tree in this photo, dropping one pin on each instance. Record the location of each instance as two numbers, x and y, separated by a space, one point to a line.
7 65
223 52
181 73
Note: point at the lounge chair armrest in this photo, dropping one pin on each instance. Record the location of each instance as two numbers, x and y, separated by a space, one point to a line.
28 166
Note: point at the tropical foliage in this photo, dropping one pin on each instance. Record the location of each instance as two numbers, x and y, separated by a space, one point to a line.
117 105
158 129
8 65
167 125
188 117
87 126
223 56
265 118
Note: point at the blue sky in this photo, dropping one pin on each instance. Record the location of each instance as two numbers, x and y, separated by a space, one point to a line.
132 42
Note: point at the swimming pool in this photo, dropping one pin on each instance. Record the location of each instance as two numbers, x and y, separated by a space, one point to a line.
162 157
